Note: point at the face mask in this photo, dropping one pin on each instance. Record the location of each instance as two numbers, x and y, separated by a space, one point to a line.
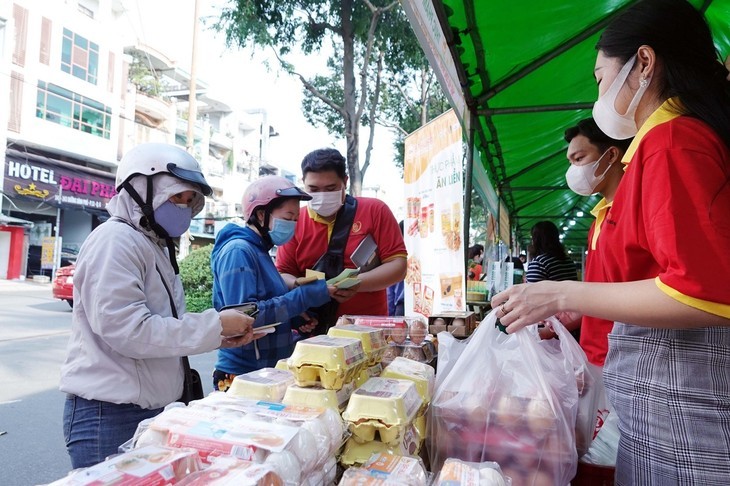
582 179
282 231
174 218
326 203
607 118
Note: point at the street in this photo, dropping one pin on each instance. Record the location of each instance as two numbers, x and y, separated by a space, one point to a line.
34 330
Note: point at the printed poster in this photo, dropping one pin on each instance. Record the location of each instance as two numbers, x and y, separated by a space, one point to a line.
434 224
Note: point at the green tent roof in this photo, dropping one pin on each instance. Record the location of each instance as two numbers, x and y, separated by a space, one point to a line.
525 73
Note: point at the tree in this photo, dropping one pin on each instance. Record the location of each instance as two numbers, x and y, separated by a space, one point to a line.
368 37
197 279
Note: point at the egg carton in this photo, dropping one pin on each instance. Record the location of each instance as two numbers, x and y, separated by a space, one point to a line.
328 361
382 405
372 338
317 396
422 375
264 384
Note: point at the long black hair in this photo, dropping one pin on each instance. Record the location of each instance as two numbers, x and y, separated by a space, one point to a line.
546 239
680 37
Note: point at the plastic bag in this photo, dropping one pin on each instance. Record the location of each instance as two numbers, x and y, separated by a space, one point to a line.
510 400
450 349
590 390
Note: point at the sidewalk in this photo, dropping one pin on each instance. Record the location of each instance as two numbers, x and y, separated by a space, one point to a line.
23 285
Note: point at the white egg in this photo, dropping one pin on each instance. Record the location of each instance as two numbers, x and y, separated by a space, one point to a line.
304 447
330 470
286 465
324 441
333 424
151 437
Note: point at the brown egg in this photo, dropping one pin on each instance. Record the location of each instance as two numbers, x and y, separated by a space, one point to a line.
398 335
508 411
418 331
458 322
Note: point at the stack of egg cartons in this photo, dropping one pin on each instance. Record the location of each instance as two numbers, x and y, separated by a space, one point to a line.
380 415
325 370
423 377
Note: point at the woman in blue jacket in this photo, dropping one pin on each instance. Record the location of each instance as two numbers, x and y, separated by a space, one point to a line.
243 272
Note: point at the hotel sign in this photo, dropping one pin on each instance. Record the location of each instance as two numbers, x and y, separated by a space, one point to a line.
57 185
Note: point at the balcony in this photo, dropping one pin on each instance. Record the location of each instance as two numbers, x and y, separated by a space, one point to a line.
155 108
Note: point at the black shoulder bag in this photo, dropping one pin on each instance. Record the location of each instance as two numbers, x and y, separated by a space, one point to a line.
332 263
192 384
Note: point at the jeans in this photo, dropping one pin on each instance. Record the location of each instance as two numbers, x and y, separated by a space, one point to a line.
94 430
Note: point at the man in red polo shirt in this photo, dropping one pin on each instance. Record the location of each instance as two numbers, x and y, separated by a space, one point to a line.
325 179
594 168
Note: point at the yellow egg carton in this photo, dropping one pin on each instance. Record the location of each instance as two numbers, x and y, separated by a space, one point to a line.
373 339
368 373
357 454
316 396
421 374
420 425
265 384
327 361
281 365
383 405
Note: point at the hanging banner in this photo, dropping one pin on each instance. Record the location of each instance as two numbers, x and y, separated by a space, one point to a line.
434 189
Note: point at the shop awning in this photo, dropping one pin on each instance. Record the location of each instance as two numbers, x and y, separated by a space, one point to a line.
522 72
11 221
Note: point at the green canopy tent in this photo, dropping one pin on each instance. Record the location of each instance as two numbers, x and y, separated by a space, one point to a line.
518 73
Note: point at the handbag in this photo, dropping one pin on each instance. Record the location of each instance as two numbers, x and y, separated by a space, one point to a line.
332 263
192 384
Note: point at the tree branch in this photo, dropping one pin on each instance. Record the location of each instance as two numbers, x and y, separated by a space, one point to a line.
377 12
321 25
373 109
392 126
309 86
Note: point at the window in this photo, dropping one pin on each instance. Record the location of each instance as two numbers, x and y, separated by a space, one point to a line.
68 109
79 57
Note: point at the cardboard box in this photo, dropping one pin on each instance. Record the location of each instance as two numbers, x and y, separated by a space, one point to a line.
436 328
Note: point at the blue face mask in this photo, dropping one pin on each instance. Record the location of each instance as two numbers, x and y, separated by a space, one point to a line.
282 231
174 218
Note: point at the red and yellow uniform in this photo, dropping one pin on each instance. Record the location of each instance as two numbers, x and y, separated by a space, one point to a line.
311 238
670 217
594 331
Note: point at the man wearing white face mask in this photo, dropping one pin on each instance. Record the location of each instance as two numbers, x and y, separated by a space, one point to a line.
330 229
594 168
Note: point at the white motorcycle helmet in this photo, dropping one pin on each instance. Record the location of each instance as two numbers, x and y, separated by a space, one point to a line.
149 159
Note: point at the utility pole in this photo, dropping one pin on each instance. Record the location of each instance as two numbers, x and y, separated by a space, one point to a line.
192 96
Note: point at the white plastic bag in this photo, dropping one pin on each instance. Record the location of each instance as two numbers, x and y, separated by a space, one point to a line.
510 400
450 349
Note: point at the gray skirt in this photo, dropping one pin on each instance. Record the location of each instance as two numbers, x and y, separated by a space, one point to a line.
671 392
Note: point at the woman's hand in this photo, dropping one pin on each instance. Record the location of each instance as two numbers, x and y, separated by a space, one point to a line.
525 304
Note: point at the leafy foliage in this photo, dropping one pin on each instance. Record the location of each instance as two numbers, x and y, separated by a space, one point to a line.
197 279
370 38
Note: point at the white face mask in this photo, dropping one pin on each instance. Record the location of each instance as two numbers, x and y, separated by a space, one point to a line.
582 179
326 203
607 118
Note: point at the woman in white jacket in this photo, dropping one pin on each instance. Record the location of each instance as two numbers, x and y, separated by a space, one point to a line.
129 328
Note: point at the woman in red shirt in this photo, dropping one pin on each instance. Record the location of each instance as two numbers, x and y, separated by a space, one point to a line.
667 371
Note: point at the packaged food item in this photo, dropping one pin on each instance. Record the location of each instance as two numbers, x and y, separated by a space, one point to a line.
151 465
327 361
383 405
392 351
372 338
229 471
417 329
316 396
264 384
386 469
422 375
456 472
282 365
